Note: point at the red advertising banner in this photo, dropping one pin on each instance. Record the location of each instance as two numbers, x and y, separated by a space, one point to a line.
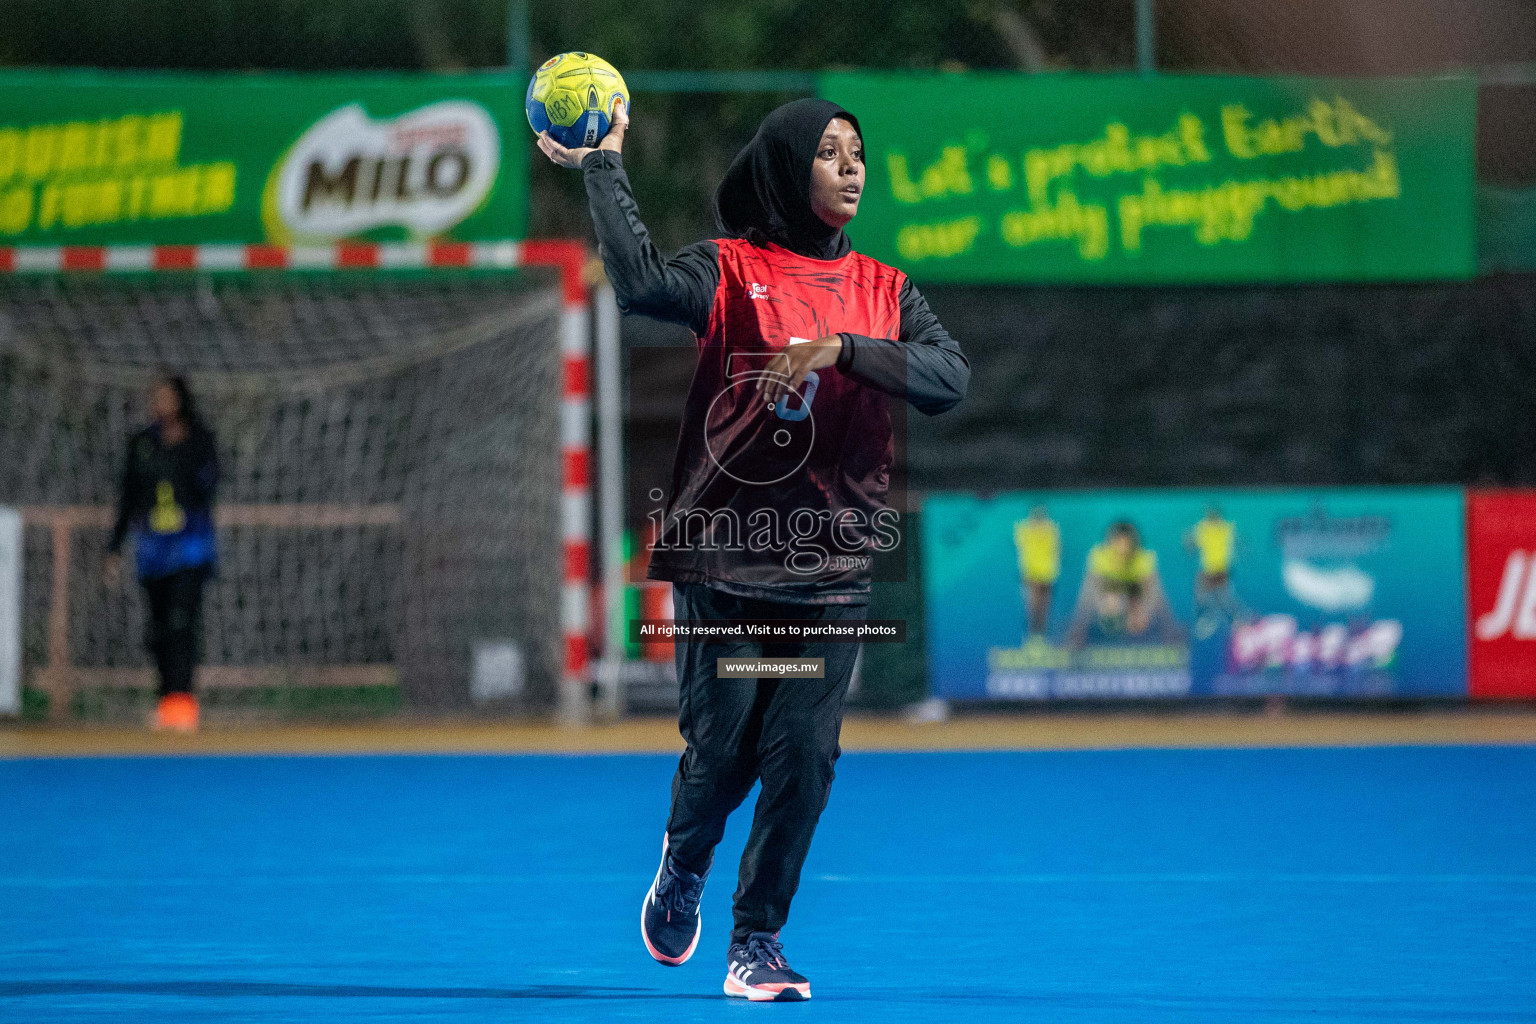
1501 575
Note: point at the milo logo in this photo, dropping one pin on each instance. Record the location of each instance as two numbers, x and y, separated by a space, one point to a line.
425 170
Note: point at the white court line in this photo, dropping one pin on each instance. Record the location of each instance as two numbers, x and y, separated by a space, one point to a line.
81 881
624 879
1159 879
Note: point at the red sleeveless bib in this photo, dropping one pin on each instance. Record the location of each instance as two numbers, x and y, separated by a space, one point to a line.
782 501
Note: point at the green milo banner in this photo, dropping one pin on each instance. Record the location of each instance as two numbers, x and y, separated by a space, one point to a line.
102 159
976 178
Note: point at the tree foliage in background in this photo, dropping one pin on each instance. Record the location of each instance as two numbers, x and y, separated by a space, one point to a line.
681 144
812 35
236 35
304 35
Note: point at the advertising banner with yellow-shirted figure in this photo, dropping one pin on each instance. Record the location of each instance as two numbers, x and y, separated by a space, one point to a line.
1160 594
999 178
122 159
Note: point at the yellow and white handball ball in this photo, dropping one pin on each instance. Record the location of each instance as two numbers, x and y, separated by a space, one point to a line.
572 96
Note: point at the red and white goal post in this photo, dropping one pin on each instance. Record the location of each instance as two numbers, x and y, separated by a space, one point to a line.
581 284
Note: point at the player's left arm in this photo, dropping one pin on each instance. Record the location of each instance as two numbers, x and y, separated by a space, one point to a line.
923 365
208 471
127 497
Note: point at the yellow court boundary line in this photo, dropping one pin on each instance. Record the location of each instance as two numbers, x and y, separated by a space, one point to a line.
1054 731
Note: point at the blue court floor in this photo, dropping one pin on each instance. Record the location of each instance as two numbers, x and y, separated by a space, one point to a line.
1372 885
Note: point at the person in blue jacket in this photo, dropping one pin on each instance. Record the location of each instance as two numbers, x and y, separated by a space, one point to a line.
170 474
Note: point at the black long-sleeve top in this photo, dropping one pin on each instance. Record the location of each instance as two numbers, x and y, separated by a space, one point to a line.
727 468
922 365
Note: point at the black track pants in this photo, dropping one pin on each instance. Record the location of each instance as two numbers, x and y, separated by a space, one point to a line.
741 730
174 632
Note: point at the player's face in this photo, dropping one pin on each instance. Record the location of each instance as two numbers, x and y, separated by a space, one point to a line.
164 402
837 175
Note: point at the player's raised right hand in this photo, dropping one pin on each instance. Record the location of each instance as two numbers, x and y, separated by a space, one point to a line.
613 141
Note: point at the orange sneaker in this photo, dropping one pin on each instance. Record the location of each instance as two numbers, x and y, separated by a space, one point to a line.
177 712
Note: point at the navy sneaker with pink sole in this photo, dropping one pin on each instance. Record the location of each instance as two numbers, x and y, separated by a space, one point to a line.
756 970
670 921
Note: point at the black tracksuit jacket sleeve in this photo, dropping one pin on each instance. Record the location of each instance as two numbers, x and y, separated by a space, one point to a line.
127 494
923 365
680 290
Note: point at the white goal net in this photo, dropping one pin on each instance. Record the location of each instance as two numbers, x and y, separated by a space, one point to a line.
391 475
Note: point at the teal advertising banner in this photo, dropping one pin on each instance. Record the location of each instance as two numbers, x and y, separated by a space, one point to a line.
1162 594
980 178
98 158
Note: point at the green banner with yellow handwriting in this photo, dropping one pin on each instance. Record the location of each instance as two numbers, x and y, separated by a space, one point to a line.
100 159
1117 179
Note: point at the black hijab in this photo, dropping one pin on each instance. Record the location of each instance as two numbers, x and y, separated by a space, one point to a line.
766 193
